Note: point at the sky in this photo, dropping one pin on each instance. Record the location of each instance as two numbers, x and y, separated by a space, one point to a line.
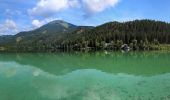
25 15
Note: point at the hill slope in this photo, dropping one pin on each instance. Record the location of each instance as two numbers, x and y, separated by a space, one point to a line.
51 29
57 26
138 34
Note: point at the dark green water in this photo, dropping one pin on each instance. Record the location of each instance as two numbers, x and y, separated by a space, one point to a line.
85 76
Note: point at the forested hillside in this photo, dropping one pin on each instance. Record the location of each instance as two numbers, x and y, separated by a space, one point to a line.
138 35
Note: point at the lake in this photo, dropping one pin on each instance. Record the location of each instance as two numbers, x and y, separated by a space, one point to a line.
85 76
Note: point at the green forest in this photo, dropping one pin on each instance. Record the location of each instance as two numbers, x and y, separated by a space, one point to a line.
60 35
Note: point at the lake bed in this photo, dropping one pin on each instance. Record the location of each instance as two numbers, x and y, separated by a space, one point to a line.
85 76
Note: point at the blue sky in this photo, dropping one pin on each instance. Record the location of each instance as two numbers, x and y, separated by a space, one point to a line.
21 15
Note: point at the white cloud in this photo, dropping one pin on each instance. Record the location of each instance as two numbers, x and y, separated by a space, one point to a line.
8 27
73 3
47 8
36 23
95 6
10 24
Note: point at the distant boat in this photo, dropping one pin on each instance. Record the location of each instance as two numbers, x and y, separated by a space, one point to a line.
125 47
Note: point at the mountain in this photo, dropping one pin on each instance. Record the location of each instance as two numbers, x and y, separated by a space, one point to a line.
4 38
138 34
51 29
127 31
54 27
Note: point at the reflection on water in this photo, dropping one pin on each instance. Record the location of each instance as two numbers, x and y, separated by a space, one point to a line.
139 63
96 76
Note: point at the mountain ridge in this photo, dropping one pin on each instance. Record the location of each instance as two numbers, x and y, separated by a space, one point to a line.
60 34
52 28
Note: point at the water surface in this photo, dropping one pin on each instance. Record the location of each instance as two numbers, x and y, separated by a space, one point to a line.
85 76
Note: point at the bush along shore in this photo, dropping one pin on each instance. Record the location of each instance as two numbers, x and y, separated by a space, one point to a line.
112 46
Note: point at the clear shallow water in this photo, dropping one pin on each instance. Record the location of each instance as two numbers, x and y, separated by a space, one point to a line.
85 76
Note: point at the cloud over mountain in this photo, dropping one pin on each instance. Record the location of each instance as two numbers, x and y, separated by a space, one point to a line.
95 6
9 26
48 8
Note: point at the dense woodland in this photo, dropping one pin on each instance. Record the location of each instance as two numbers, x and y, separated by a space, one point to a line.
138 35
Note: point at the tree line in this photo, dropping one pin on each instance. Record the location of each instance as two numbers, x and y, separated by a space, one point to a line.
138 35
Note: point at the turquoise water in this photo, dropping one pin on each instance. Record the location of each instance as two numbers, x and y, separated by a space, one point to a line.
85 76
